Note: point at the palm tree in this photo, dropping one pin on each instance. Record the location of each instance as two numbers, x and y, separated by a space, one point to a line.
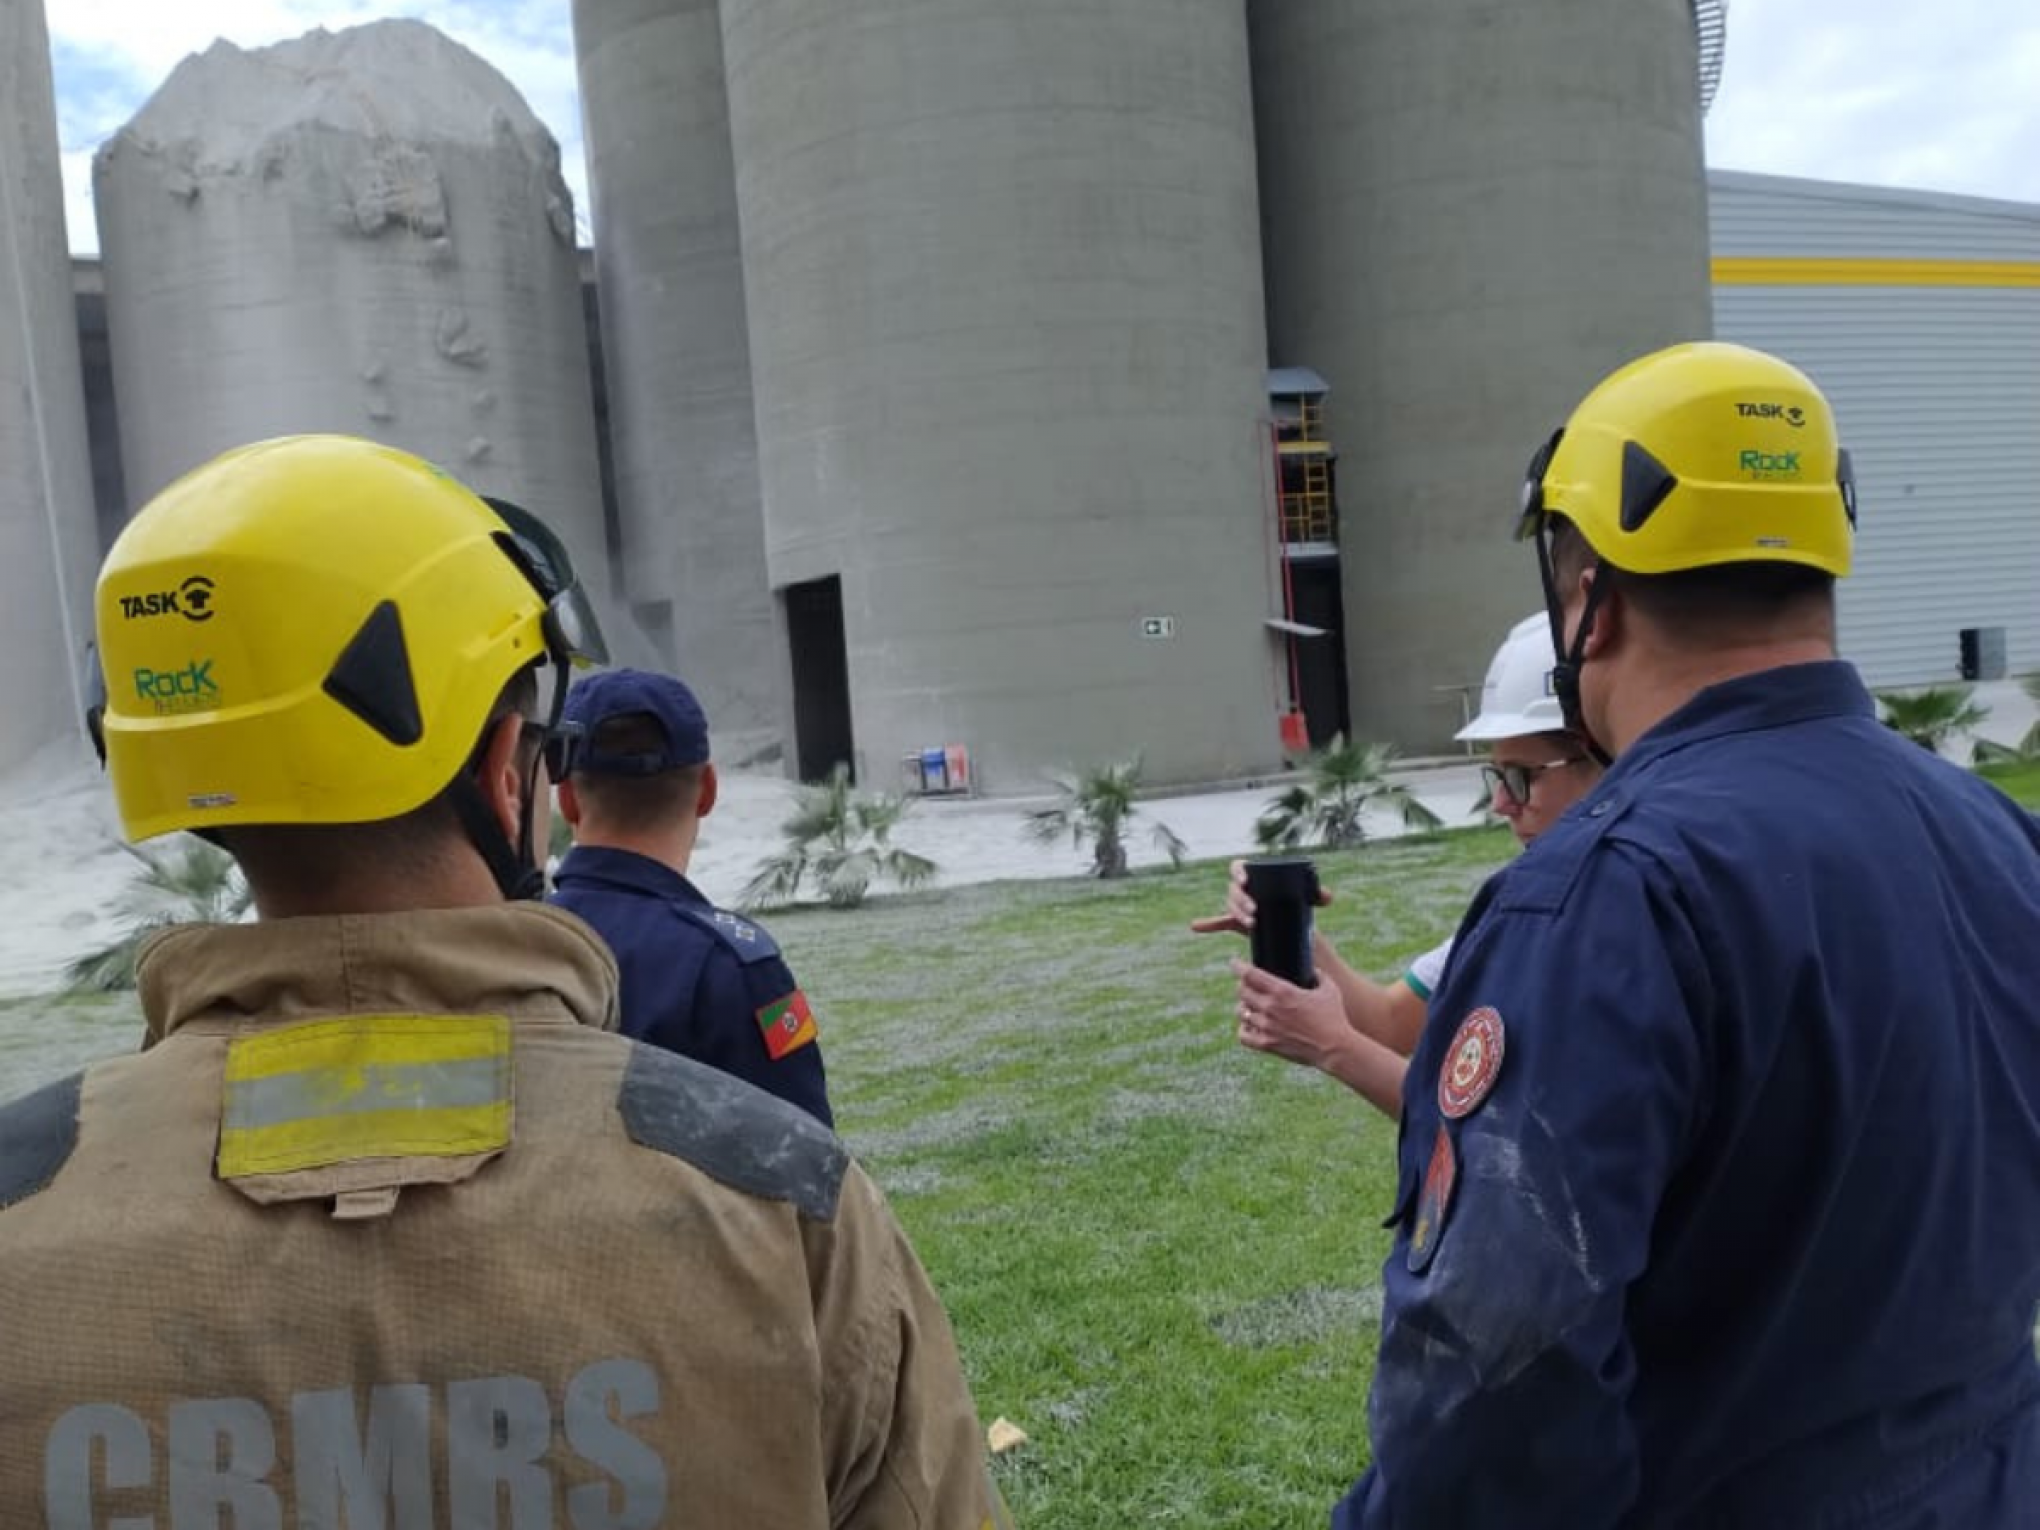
1341 781
841 840
1093 808
189 881
2026 751
1932 716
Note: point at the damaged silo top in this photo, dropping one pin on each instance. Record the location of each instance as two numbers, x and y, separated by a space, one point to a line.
382 97
361 231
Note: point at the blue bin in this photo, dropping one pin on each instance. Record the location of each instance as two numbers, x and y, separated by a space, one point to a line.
934 770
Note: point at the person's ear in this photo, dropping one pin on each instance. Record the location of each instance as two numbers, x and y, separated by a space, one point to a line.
1611 614
501 780
569 800
704 802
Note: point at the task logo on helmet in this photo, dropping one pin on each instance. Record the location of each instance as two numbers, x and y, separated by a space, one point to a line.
1517 697
378 609
1697 455
1692 457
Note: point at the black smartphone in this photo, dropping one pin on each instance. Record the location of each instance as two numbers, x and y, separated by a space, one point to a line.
1285 894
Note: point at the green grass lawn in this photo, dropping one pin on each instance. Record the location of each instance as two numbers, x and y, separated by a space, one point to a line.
2020 781
1160 1251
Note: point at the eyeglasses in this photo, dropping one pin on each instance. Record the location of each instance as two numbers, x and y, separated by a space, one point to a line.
1516 780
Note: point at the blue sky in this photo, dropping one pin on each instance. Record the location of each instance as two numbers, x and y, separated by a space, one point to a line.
1890 92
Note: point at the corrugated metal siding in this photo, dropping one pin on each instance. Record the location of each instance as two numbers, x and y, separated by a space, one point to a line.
1938 392
1777 215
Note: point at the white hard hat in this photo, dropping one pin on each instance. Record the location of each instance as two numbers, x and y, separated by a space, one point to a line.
1516 697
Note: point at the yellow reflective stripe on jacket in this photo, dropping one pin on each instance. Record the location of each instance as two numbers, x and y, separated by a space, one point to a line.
366 1086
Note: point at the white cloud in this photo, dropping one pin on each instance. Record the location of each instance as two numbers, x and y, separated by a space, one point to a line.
1888 92
111 55
1885 91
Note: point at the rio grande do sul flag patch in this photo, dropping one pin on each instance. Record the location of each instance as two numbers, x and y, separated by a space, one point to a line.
787 1025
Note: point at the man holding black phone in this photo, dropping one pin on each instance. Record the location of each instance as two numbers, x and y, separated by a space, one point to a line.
1346 1025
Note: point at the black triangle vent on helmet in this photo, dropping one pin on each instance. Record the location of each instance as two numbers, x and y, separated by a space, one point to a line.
1645 483
372 678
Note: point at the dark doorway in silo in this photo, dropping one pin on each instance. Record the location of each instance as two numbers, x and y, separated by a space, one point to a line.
821 678
1321 661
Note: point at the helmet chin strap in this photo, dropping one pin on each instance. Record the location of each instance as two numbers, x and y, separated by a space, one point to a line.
1565 674
519 877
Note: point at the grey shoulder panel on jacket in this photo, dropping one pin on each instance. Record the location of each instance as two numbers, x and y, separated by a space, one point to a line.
37 1133
732 1132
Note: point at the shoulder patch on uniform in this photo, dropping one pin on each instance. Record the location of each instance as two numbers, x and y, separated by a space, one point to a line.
1441 1177
787 1024
749 941
731 1131
1473 1061
37 1135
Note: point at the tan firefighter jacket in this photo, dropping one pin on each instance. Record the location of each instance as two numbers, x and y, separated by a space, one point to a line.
382 1230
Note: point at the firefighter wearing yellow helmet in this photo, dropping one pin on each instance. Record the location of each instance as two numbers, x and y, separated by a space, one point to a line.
1697 457
382 1228
1710 1213
314 631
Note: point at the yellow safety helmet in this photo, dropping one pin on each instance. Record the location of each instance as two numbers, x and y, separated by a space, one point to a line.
313 630
1700 454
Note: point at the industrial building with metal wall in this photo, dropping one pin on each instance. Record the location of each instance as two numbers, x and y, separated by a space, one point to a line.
1920 315
1047 385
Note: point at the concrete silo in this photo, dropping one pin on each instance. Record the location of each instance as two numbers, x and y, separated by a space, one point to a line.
1003 280
1472 210
363 231
48 546
669 275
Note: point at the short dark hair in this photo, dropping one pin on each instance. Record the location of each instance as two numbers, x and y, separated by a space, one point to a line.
1717 603
636 802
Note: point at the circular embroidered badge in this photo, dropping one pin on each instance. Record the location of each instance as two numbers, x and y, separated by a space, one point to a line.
1472 1063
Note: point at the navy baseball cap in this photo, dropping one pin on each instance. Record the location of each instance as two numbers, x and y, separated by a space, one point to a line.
624 692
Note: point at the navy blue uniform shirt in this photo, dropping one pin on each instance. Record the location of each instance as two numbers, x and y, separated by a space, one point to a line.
1720 1167
695 979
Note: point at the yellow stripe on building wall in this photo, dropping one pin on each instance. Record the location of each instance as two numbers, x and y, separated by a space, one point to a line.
1809 271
